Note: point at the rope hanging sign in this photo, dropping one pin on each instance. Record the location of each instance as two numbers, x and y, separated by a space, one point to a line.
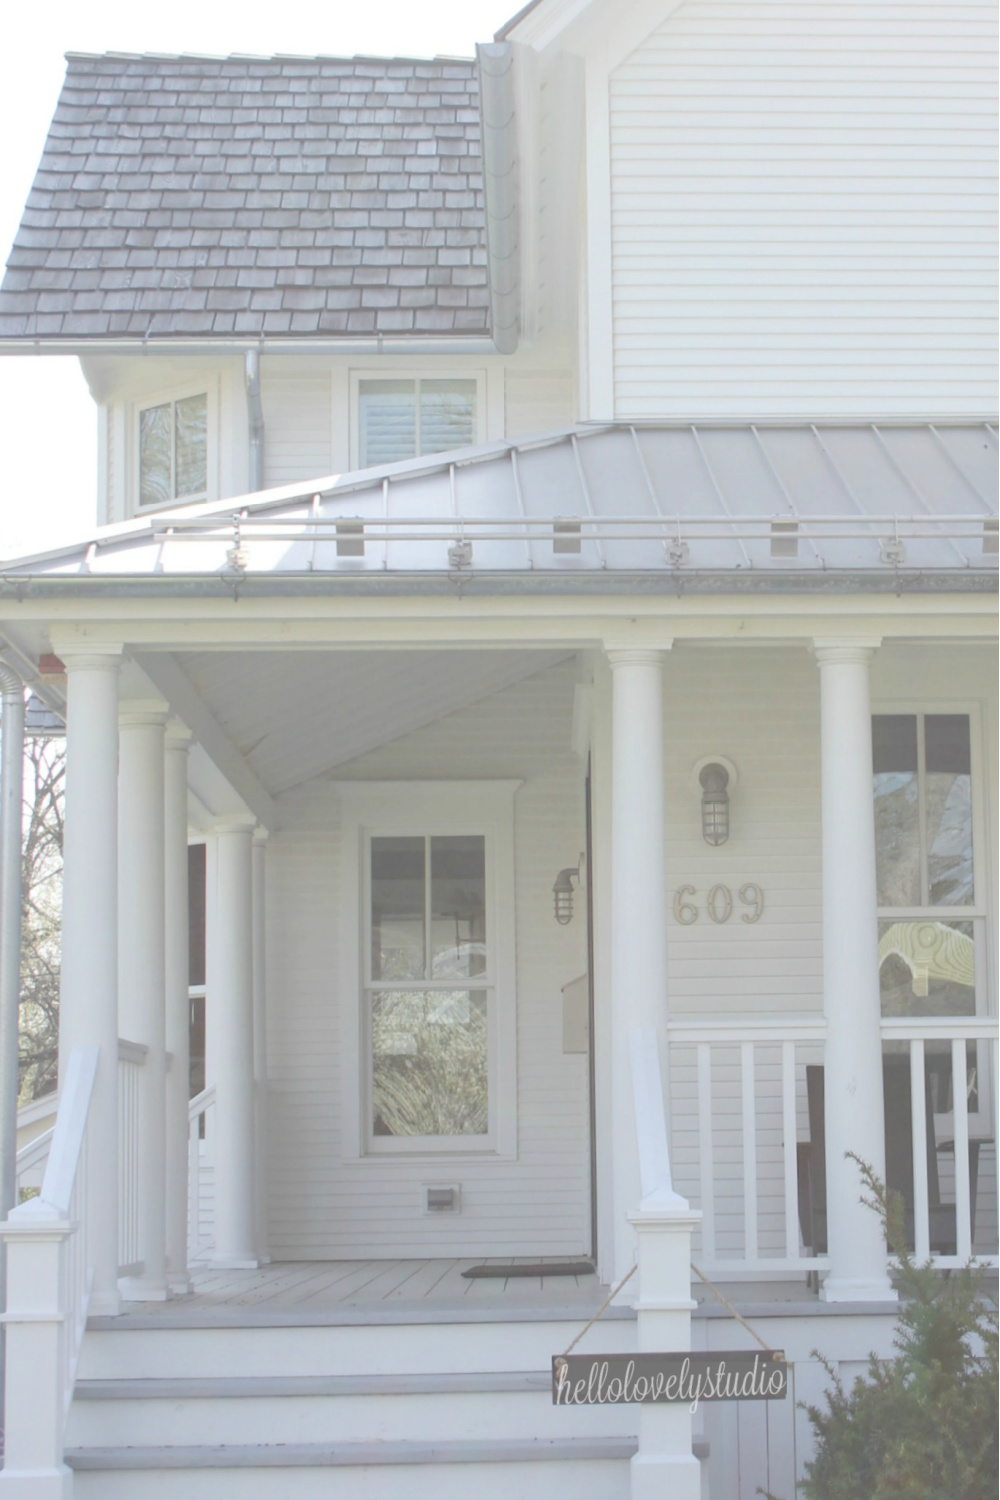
655 1379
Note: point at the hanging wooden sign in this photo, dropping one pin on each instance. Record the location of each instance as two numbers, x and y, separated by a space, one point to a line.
614 1379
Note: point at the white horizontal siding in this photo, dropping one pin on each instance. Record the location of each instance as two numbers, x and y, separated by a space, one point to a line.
298 433
803 199
324 1207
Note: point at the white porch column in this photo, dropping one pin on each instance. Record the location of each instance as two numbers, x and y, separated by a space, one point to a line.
88 986
638 906
141 981
230 1018
853 1059
178 1036
260 1043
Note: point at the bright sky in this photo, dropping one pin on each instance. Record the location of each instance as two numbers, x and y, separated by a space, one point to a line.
47 419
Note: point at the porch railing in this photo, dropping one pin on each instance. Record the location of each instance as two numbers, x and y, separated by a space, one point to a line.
201 1173
48 1289
748 1138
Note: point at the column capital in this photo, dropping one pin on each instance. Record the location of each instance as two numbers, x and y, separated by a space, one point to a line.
179 736
135 712
831 649
233 823
636 656
260 836
97 657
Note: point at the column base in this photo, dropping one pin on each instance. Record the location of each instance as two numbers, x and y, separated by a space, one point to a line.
143 1289
179 1284
653 1476
858 1289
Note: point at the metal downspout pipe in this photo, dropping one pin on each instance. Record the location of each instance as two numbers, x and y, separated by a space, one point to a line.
255 421
11 800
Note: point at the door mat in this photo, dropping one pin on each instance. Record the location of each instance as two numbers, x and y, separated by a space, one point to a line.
536 1268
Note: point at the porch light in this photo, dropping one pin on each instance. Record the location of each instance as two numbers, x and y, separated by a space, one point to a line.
714 780
562 892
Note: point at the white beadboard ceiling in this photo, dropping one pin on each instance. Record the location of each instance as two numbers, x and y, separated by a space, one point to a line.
296 715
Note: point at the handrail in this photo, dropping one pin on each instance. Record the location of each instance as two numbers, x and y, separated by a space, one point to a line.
35 1152
133 1052
67 1139
651 1121
198 1105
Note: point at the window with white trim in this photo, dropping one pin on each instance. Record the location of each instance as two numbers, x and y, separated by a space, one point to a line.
931 926
433 1010
172 448
408 418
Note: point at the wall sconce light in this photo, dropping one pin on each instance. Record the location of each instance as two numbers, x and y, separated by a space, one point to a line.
715 777
562 892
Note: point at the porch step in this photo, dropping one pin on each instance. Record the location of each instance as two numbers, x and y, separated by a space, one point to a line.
586 1468
334 1409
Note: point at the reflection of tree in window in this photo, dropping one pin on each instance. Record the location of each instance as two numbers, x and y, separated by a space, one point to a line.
429 1063
173 450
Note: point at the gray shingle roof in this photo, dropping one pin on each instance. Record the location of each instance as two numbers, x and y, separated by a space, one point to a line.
180 197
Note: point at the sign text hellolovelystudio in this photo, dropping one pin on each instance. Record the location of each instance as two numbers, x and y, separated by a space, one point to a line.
612 1379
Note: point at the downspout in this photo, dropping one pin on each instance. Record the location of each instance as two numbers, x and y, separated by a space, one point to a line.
500 189
255 422
11 803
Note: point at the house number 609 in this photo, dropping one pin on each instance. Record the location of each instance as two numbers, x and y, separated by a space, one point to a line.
719 904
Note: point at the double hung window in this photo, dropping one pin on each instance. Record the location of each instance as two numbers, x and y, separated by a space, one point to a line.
931 926
429 1036
429 986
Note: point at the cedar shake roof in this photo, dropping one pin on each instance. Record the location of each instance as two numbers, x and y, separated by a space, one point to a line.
244 197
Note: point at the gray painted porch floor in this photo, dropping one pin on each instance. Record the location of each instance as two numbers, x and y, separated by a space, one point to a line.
415 1291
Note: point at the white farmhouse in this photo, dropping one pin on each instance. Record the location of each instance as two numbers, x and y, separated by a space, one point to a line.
530 698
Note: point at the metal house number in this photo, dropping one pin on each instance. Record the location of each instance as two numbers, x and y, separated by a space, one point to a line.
719 903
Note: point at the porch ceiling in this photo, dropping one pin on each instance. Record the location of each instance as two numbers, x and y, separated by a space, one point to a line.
296 715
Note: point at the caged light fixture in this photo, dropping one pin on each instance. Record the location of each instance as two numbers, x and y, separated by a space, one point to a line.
562 891
714 779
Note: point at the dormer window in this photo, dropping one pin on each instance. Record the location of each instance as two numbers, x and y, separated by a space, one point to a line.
173 450
400 419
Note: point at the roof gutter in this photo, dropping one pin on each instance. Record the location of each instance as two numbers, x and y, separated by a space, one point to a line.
255 421
500 188
420 347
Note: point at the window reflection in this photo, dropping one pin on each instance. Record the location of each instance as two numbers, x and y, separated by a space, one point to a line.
927 968
429 1063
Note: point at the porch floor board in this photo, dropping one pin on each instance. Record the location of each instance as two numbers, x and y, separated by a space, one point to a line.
313 1292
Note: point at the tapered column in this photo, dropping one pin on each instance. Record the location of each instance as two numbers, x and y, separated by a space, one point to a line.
638 906
260 1043
141 977
178 1033
229 1014
88 985
853 1058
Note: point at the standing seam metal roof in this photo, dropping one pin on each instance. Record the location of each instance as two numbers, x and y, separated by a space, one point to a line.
247 197
794 506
